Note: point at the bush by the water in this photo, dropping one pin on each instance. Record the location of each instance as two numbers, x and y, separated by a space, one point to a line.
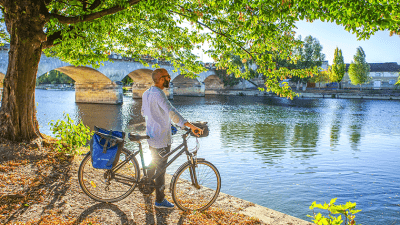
71 136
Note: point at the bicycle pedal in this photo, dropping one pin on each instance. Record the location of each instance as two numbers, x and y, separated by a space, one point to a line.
162 153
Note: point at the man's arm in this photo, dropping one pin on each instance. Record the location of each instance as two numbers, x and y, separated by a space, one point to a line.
172 112
176 117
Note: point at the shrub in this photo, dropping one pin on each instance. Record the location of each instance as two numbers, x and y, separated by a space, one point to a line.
348 210
71 136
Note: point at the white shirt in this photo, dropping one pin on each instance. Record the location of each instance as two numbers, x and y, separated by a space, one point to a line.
158 113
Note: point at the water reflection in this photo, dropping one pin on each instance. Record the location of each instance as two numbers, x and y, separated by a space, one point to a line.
305 137
269 141
336 122
357 115
100 115
125 117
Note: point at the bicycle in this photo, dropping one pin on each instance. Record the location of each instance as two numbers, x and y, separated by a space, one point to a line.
194 186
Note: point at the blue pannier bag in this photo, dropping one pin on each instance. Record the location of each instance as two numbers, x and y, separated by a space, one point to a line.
105 147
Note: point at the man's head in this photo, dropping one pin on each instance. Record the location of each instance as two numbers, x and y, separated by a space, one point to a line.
161 78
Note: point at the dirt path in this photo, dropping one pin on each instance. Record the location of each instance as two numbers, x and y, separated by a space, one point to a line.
40 186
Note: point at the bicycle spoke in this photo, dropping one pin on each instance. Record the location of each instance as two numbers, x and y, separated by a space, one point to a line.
189 197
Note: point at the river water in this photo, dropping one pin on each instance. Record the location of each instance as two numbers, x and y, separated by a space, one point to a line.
275 152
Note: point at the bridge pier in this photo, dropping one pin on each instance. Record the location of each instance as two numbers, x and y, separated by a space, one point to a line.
138 90
103 93
190 90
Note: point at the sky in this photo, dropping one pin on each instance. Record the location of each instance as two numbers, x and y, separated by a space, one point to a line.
378 49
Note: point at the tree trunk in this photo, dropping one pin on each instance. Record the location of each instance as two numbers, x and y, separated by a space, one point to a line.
304 86
18 114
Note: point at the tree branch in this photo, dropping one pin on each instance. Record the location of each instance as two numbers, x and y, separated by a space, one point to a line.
216 32
95 4
50 40
90 17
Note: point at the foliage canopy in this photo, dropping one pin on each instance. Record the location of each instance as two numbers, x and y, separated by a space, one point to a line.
84 32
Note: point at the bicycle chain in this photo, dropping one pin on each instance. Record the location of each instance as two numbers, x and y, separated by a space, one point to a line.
146 186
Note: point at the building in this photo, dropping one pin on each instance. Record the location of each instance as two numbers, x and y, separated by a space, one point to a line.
382 76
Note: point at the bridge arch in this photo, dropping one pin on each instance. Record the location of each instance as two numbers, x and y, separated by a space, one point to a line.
141 76
188 86
82 74
213 82
142 80
92 86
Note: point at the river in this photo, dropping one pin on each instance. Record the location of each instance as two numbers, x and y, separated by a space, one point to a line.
275 152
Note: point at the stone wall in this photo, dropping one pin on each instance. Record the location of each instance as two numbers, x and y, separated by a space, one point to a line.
188 86
105 93
197 90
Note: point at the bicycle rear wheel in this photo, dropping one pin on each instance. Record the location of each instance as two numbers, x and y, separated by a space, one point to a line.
109 185
187 195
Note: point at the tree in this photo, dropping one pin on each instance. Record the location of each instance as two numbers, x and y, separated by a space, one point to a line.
338 67
322 76
308 56
359 68
84 32
54 77
127 81
247 67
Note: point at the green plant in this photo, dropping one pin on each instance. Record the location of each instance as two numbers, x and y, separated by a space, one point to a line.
71 136
348 210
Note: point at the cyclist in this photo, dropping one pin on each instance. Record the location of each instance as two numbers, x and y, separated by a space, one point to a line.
158 113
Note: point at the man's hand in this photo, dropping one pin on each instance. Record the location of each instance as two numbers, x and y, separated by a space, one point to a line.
195 130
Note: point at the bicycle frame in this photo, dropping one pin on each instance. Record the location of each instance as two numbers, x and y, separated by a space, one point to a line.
161 170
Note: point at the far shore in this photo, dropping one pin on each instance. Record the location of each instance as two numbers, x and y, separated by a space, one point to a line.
384 94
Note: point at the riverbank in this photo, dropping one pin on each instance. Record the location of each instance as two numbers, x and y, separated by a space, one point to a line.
351 94
58 87
40 186
383 94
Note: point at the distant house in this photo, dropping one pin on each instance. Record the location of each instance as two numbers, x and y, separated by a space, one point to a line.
382 76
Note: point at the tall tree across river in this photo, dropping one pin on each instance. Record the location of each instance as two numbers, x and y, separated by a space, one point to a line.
359 68
84 32
338 67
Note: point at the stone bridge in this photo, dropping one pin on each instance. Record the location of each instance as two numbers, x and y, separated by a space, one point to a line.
103 85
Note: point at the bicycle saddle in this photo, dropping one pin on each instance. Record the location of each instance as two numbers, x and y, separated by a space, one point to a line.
136 137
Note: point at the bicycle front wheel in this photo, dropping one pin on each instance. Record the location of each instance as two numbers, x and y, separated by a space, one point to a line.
196 187
109 185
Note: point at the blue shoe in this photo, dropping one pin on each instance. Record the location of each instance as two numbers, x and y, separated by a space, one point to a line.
164 204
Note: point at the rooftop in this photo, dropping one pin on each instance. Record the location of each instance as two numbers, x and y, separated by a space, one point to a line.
381 67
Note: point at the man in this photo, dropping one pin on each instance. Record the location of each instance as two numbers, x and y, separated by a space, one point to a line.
158 113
